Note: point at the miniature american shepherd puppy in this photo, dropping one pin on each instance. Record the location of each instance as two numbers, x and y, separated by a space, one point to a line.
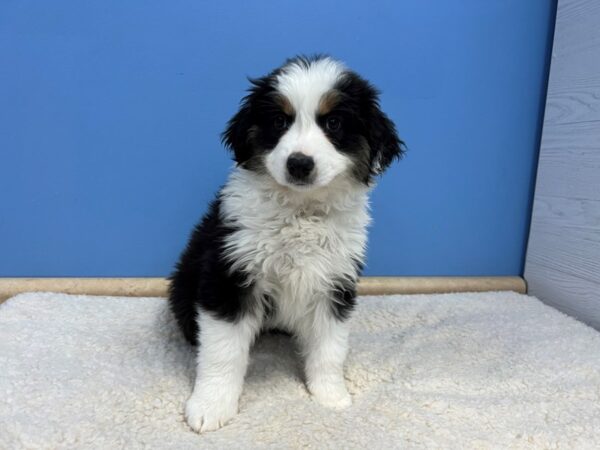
282 245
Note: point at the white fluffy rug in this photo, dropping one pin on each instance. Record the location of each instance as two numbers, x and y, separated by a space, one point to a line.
448 371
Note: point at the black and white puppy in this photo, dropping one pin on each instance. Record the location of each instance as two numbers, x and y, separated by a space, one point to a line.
283 243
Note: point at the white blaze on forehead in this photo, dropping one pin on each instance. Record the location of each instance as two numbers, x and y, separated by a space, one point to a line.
304 85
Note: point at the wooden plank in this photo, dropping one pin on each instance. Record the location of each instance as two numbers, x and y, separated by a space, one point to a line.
563 256
570 250
566 212
569 163
157 287
574 103
574 84
572 295
576 29
565 235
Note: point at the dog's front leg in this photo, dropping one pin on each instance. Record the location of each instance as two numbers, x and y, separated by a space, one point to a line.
222 359
325 345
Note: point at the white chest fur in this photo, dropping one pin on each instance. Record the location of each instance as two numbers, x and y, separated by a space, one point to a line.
294 247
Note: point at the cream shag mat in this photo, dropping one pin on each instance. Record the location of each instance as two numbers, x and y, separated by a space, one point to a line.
483 370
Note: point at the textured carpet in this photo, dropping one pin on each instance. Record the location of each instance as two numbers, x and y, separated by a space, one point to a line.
484 370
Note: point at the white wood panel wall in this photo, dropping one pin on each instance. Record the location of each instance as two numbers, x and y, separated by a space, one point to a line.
563 257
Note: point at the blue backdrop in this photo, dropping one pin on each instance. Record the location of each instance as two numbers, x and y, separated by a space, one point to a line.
110 114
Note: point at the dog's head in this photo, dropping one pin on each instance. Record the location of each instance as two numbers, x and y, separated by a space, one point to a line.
312 121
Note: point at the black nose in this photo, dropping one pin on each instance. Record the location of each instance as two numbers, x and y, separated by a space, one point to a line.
300 166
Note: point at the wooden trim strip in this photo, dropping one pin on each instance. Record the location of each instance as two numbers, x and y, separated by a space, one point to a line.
157 287
438 285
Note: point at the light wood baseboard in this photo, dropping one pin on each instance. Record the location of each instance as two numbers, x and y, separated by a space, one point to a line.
438 285
157 287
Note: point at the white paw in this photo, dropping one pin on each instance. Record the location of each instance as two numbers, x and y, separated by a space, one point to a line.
208 415
331 395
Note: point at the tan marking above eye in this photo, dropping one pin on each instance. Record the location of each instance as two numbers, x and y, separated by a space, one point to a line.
285 104
328 101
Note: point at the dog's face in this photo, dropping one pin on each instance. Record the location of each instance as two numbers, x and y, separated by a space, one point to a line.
312 121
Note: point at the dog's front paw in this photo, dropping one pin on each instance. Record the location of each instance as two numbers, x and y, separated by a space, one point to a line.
331 395
203 414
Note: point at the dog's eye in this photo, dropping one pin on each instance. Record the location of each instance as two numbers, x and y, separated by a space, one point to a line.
333 123
280 122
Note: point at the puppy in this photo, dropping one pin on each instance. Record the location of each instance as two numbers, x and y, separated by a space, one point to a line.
282 245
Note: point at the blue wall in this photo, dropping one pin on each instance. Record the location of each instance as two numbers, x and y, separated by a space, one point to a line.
110 114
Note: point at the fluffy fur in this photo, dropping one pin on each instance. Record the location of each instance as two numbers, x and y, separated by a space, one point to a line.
282 245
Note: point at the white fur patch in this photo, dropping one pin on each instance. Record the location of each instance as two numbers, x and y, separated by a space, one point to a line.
294 245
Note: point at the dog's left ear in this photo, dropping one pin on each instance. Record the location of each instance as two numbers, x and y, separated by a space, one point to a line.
383 139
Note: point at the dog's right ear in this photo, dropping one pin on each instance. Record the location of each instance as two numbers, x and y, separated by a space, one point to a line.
239 132
236 135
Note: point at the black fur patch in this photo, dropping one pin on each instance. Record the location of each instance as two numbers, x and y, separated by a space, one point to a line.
366 134
252 131
201 277
344 293
344 299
